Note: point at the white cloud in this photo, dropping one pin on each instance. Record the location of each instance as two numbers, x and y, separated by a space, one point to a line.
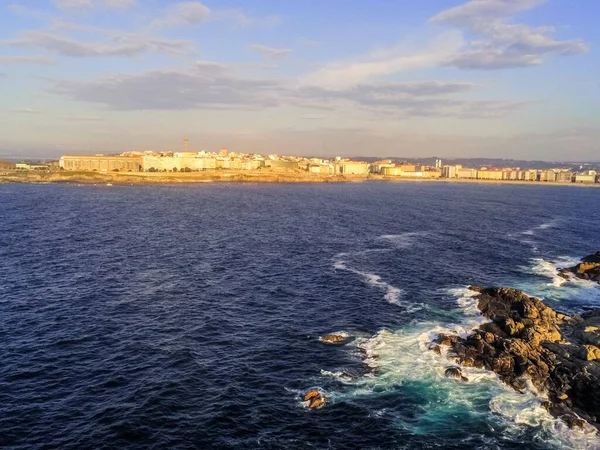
118 45
82 118
417 99
386 62
214 86
241 19
24 110
503 44
270 52
188 13
79 5
195 13
27 59
206 86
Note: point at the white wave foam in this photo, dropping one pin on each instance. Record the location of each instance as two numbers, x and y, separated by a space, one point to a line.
550 269
554 432
467 301
392 294
547 269
544 226
339 375
402 358
403 240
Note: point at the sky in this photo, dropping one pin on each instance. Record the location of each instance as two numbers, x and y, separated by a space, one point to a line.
449 78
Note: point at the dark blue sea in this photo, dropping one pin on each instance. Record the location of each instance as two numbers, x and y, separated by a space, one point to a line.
135 317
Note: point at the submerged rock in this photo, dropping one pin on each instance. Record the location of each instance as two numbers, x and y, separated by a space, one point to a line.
455 373
587 269
526 339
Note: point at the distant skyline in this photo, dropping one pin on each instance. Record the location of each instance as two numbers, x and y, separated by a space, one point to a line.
466 79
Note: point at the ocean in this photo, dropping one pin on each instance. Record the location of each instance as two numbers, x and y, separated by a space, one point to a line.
137 317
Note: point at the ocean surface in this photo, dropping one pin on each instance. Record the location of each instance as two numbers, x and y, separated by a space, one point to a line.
137 317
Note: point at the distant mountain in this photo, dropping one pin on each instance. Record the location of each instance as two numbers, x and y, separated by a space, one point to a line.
488 162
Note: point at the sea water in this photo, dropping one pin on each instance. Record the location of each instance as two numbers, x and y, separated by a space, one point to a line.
190 316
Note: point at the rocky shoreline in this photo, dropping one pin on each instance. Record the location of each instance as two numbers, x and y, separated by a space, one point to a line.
531 346
587 269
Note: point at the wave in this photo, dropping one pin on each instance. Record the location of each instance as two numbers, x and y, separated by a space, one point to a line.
392 294
550 269
544 226
547 269
341 376
403 240
400 361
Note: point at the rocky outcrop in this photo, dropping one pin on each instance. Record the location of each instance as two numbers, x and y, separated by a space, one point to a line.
334 338
587 269
527 340
314 399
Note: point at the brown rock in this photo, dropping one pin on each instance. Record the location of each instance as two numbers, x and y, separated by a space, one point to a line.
333 338
311 395
317 402
592 352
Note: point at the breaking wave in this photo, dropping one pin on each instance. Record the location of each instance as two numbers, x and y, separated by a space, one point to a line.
571 292
549 270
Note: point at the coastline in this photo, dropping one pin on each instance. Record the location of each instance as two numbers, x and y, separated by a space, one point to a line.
263 176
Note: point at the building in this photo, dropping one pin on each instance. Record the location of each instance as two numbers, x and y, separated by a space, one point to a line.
30 166
407 167
585 178
393 171
547 175
322 169
431 173
449 171
564 176
438 163
490 174
101 163
280 164
354 167
466 173
377 166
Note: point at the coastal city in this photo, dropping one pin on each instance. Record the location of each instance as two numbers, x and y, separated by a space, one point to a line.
223 160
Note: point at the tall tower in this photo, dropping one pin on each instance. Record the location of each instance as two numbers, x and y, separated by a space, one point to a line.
185 144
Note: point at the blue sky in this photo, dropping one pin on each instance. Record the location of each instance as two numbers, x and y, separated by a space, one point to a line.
479 78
